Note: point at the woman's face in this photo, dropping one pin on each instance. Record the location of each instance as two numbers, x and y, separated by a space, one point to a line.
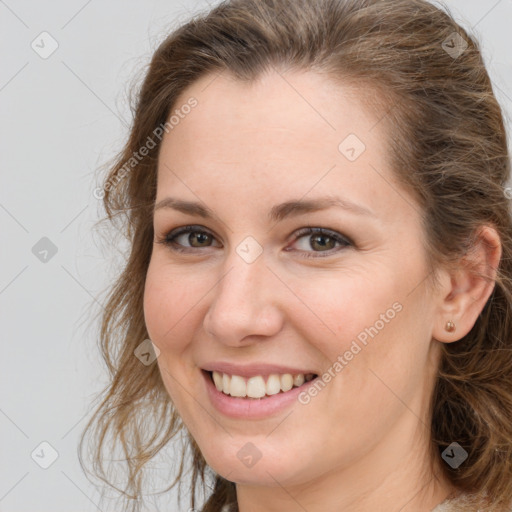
249 286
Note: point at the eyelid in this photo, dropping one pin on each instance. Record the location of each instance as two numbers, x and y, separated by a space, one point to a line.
312 230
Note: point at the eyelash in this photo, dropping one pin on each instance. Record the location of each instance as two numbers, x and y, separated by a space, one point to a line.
168 239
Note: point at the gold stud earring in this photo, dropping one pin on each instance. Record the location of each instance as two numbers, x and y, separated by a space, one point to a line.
450 326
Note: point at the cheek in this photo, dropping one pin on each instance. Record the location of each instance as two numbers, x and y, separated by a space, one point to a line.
379 346
170 300
369 324
170 303
352 307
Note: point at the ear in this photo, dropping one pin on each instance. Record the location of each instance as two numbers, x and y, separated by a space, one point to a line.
466 288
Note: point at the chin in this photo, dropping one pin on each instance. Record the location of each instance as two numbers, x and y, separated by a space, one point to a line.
271 472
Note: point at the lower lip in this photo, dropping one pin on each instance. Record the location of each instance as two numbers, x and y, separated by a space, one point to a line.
251 408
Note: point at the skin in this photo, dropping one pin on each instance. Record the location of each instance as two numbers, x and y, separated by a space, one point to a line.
361 444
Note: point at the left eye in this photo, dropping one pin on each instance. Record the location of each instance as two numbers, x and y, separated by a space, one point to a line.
318 239
322 239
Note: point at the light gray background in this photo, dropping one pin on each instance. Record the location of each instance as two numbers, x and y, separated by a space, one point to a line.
61 118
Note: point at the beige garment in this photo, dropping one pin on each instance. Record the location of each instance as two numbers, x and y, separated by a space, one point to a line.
460 503
450 505
457 504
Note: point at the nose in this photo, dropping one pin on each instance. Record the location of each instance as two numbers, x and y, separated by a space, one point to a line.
245 305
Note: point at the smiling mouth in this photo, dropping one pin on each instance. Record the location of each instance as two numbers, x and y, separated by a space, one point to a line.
259 386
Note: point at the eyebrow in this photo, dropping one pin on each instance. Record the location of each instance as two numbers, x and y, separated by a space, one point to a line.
277 213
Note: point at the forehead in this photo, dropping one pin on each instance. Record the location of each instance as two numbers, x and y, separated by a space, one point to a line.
304 105
282 134
278 109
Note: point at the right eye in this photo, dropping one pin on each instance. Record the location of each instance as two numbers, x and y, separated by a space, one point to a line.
196 236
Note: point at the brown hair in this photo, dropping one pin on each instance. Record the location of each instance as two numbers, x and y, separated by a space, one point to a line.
449 149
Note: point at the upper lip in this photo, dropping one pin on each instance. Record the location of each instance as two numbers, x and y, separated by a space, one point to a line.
253 369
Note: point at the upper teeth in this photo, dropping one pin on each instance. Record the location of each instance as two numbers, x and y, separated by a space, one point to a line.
256 387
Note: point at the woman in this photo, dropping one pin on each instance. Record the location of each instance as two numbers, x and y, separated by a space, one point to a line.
315 197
